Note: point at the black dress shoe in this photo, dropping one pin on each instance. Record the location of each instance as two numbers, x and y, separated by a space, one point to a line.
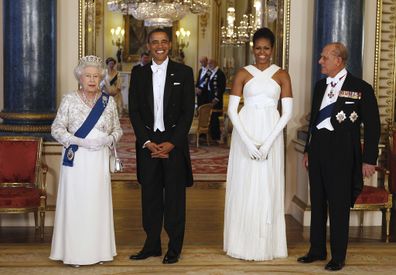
145 254
310 258
334 265
170 258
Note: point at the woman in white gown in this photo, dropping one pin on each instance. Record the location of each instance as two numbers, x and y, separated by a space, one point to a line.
84 227
254 222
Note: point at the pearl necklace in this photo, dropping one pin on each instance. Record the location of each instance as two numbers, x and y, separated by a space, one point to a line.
88 102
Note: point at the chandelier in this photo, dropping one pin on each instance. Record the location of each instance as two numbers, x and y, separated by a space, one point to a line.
239 35
159 12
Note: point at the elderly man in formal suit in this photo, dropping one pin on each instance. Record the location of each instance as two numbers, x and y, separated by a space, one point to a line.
201 86
334 155
161 100
216 89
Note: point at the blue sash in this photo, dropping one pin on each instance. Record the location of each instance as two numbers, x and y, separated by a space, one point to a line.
204 80
323 114
85 128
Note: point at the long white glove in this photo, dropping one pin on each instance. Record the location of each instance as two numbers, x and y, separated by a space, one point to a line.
92 144
287 109
232 112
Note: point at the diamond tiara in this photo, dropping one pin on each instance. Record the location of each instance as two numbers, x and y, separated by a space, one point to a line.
91 60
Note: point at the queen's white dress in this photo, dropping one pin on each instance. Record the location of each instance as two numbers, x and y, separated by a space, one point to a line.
84 227
254 222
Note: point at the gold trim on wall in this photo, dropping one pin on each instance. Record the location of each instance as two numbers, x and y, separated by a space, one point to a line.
385 58
286 35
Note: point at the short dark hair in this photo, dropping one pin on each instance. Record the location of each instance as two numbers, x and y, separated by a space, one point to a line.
109 59
264 33
155 31
144 54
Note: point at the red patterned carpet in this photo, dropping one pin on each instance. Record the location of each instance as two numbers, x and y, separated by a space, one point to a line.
209 162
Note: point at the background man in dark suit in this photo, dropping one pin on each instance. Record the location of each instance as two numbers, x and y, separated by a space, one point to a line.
201 86
341 103
161 100
144 59
216 89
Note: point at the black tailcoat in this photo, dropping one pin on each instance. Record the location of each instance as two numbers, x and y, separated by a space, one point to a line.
335 161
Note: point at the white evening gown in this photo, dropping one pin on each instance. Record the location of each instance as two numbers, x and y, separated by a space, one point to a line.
254 222
84 227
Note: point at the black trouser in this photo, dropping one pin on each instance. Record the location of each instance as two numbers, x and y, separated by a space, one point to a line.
163 196
215 125
330 175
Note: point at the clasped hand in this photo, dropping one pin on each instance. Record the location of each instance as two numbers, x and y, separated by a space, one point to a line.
93 144
160 150
258 152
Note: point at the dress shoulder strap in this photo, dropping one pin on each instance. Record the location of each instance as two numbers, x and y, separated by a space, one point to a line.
272 70
251 69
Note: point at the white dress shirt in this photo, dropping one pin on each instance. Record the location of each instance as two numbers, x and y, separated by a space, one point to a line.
159 78
203 72
330 96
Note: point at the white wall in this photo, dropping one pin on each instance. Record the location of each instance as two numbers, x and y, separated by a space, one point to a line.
300 67
67 46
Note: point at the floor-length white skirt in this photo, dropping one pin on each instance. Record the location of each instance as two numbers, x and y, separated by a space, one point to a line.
84 227
254 222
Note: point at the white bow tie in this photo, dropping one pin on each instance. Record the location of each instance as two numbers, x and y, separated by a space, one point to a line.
331 80
155 67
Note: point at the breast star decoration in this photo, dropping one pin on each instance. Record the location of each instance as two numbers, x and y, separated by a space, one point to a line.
353 117
340 116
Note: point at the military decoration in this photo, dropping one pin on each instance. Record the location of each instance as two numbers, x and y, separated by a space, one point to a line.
340 116
353 117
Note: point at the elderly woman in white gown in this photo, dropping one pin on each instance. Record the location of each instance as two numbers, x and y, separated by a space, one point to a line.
87 125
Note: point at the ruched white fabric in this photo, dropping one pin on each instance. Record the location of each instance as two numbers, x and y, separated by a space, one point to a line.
254 222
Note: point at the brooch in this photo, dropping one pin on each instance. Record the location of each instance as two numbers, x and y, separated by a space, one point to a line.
104 101
350 94
340 116
353 117
70 154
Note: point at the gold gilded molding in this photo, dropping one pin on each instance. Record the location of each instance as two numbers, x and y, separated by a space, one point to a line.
80 28
26 116
385 58
25 128
286 35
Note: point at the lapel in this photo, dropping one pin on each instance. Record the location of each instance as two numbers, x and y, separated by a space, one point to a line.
170 75
345 86
148 86
318 99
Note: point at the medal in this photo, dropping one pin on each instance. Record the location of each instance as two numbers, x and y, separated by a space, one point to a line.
70 154
353 117
340 116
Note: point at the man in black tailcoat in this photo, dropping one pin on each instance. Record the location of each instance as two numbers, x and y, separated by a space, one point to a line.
201 86
335 157
161 100
216 89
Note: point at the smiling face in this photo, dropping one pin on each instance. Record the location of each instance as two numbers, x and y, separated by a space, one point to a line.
90 79
159 46
262 51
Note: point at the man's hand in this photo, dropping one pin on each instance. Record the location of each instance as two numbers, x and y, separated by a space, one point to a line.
198 91
163 150
153 147
368 170
305 161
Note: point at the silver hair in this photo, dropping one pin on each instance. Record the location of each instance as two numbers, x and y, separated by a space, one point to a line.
89 61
